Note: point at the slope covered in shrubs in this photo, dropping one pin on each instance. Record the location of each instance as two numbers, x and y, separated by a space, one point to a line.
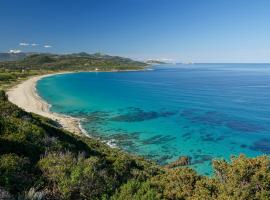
38 160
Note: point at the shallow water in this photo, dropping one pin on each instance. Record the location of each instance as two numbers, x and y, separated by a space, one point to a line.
204 111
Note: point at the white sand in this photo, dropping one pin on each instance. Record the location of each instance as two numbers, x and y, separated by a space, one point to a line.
25 96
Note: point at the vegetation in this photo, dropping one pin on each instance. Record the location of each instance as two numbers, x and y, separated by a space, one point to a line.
37 155
20 67
80 61
38 160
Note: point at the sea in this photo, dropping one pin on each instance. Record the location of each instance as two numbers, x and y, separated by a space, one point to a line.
204 111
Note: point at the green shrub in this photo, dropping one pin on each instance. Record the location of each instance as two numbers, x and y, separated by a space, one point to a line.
74 176
243 178
136 190
15 172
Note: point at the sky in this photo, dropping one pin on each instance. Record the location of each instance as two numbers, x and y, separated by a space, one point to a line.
173 30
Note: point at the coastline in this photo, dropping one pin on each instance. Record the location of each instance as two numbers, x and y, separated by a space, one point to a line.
25 96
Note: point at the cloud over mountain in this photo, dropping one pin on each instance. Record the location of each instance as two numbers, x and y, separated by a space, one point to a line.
15 51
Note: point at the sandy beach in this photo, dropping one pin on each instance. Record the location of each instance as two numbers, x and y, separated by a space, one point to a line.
25 96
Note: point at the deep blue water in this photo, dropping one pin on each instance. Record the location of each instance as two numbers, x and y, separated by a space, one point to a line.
204 111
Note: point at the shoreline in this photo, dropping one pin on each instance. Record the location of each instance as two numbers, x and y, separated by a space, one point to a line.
26 97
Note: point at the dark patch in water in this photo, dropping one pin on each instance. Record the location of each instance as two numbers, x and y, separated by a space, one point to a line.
211 118
186 135
262 145
210 138
199 159
163 159
151 156
169 149
244 126
243 146
189 113
218 119
125 136
138 115
220 138
186 127
128 145
95 118
158 139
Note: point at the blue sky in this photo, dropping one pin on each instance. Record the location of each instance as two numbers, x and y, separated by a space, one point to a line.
183 30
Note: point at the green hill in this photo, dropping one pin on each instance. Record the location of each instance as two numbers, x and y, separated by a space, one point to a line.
34 64
79 61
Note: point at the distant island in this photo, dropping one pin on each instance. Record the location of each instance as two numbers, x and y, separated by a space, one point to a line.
42 159
155 62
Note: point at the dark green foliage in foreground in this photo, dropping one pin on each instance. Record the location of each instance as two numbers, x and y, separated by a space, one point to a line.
40 161
36 154
243 179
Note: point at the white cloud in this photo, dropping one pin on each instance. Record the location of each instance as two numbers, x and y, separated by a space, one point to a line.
34 44
47 46
15 51
24 44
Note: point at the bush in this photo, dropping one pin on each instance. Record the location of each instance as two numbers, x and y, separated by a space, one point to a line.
243 178
15 172
74 176
136 190
3 96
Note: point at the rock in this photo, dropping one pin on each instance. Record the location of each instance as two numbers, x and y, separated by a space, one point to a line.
181 161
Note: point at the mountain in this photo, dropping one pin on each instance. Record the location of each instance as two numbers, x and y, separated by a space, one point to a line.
13 56
75 61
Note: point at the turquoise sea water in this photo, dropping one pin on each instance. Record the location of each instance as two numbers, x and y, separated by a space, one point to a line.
204 111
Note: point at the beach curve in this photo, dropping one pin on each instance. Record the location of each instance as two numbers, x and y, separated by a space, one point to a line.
26 97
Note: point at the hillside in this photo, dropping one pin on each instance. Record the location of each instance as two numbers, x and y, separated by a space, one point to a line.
79 61
13 56
38 160
35 153
36 64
